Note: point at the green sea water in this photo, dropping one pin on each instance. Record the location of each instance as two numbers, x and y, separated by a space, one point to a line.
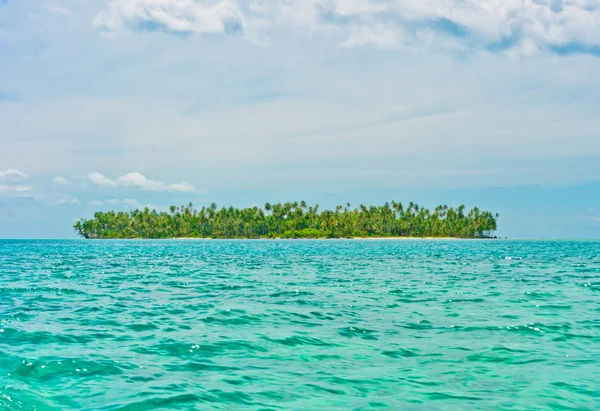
299 325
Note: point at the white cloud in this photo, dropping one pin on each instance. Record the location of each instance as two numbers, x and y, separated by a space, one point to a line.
95 203
60 180
185 16
523 26
376 35
136 205
13 174
594 218
138 180
14 189
370 113
128 204
65 200
182 187
101 180
53 8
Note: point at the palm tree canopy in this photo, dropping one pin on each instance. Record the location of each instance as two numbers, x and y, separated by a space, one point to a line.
292 220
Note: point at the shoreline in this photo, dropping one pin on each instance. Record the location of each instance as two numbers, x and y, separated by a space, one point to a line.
304 239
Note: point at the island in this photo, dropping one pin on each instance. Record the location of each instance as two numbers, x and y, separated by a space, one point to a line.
291 220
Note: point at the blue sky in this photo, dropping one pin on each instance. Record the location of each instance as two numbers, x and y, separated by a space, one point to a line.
117 104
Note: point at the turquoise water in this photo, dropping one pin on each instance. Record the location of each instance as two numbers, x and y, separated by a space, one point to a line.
299 325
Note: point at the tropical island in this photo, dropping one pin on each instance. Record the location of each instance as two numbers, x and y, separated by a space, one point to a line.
291 220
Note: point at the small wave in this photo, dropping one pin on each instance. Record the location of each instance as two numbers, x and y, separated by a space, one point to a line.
555 306
43 337
46 370
402 353
142 327
356 332
232 317
329 390
442 396
590 391
164 402
179 349
573 336
465 300
290 294
490 357
203 366
327 317
509 350
416 300
426 383
421 325
300 341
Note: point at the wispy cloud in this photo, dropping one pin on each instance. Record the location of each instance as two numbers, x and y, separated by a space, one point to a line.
66 200
133 203
14 189
128 204
60 180
53 8
13 174
588 217
496 25
183 16
378 35
137 180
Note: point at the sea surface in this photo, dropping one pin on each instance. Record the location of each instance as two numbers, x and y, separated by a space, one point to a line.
299 325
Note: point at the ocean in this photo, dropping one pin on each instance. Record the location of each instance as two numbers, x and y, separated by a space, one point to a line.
299 325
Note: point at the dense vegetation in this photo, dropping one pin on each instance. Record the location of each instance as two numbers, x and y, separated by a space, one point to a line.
291 220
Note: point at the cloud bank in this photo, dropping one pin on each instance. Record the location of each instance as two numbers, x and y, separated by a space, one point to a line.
137 180
524 26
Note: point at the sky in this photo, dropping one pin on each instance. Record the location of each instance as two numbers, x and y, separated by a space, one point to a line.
122 104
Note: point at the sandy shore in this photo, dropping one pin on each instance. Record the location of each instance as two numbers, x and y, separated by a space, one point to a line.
408 238
320 239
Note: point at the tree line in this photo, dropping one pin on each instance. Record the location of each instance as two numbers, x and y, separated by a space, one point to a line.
292 220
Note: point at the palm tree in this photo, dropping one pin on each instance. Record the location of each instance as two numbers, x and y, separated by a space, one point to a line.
291 219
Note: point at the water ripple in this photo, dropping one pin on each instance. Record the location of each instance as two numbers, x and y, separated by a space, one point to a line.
299 325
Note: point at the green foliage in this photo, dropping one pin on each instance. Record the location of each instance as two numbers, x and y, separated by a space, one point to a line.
304 233
292 220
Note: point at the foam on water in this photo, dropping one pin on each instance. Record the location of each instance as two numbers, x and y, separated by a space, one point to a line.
249 325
